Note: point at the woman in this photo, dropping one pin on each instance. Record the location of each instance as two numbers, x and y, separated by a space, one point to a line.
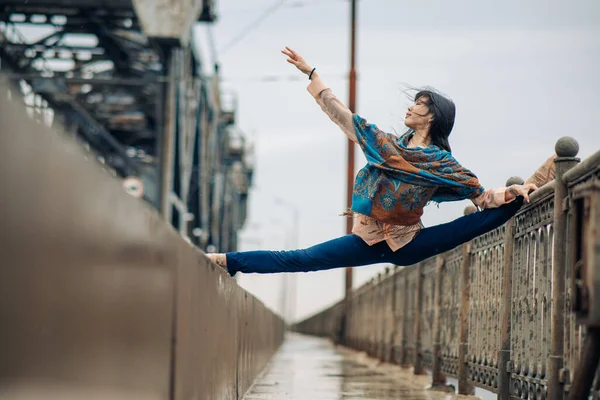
402 175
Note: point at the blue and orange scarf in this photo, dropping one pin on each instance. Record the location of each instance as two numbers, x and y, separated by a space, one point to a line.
399 181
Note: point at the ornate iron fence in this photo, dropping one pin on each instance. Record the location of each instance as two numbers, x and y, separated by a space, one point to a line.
494 313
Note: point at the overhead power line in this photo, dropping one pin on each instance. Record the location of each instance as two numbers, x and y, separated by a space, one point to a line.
295 4
270 10
275 78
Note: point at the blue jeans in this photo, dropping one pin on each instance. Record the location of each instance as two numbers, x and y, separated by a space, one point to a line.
352 251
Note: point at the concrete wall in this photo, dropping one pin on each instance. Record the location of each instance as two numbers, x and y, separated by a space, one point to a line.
99 297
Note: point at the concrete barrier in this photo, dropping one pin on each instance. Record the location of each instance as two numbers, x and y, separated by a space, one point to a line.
99 297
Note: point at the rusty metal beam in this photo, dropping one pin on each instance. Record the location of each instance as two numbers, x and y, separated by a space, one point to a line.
58 79
350 144
167 132
95 128
70 4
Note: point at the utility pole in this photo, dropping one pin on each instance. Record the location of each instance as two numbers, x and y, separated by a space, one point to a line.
352 106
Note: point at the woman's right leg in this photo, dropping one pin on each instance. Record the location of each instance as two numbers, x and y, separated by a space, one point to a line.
349 250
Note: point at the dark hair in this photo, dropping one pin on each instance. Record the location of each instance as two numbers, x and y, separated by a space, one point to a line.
444 112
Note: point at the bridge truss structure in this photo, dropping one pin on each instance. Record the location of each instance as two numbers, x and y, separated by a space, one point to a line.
126 79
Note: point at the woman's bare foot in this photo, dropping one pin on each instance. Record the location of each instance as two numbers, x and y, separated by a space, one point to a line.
218 259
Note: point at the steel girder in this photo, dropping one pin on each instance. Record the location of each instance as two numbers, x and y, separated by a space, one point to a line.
139 104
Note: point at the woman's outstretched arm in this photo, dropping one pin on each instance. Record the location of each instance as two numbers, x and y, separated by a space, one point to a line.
332 106
375 144
329 103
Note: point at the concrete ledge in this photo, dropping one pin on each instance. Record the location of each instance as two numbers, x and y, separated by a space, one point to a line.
99 296
582 169
542 192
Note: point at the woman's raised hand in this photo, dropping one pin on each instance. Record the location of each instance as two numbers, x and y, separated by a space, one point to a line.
297 60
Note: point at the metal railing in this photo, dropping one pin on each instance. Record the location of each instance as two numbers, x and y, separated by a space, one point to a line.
494 313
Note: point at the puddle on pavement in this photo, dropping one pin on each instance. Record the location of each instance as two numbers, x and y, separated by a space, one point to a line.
307 368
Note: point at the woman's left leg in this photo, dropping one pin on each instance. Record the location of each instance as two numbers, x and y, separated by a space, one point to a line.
441 238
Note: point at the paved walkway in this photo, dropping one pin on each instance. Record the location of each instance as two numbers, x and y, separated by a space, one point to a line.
307 368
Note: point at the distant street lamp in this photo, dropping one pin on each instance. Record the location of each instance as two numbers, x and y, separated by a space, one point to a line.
295 220
289 284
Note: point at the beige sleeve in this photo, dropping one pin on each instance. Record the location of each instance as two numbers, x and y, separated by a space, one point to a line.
544 174
333 107
491 198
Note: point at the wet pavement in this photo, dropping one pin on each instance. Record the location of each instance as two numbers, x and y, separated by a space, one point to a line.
307 368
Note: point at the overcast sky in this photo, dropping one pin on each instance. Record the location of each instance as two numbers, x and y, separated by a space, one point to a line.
523 73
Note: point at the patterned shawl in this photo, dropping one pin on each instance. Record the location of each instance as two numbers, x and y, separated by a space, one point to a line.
398 181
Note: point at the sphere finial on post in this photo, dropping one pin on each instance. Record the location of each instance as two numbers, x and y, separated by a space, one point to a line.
514 180
566 146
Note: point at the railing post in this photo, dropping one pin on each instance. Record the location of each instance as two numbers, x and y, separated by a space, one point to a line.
404 361
438 378
418 362
394 333
566 149
379 315
341 334
390 324
464 386
504 352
